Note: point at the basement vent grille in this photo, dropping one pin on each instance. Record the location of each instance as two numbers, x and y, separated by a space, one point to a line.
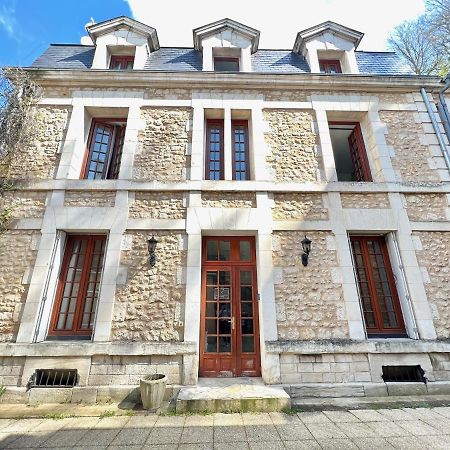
54 378
403 374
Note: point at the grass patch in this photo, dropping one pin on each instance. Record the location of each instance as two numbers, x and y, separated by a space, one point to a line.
129 413
108 413
56 416
291 411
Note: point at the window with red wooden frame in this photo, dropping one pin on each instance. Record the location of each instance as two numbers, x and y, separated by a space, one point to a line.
349 151
378 293
78 287
225 64
330 66
240 142
121 62
104 149
214 150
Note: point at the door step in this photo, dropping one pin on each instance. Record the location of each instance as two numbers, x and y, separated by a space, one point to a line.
231 396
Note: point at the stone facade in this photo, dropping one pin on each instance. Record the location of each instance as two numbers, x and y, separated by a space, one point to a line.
427 207
291 140
16 261
309 303
40 161
411 160
11 370
228 200
434 258
299 206
151 296
365 201
23 204
157 205
128 370
162 154
83 198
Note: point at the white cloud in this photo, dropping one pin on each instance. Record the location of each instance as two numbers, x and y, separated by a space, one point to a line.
279 22
8 20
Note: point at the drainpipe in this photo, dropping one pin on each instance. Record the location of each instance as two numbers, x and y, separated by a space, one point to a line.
442 107
436 128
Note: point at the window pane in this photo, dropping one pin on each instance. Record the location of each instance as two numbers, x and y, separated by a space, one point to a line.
211 344
224 344
248 344
212 253
224 250
245 251
226 65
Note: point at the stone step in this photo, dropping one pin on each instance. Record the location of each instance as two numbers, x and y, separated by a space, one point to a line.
232 397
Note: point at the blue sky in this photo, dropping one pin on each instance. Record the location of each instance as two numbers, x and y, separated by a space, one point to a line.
27 27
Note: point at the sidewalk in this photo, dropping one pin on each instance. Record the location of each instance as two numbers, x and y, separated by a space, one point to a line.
402 428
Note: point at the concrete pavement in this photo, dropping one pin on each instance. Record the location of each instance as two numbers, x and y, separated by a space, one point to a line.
402 428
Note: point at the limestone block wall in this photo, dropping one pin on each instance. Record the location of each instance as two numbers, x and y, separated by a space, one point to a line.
291 140
325 368
40 160
309 300
149 306
11 370
434 261
411 160
83 198
162 149
228 200
365 201
24 204
299 206
157 205
427 207
17 257
109 370
441 366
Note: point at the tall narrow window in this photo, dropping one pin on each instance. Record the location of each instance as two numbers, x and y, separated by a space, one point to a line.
330 66
121 62
104 151
78 287
350 154
239 129
214 150
379 298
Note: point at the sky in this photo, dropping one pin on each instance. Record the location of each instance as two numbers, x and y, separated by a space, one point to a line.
27 27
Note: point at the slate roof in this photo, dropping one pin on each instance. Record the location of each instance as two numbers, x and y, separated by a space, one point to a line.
172 59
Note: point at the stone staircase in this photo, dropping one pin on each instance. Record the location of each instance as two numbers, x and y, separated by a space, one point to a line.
232 395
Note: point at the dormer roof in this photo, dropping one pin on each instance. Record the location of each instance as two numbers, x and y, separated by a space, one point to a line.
213 28
123 22
341 31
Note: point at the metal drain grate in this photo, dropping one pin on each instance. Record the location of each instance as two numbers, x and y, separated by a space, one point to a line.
54 378
403 374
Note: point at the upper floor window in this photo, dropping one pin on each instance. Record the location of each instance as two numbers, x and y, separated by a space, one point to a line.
330 66
121 62
222 64
349 151
104 149
215 150
78 287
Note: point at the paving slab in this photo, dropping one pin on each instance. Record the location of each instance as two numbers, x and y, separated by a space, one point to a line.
231 446
164 435
337 444
313 417
341 416
131 436
356 430
372 443
368 415
293 432
227 434
418 428
195 435
302 445
406 443
387 429
328 431
265 433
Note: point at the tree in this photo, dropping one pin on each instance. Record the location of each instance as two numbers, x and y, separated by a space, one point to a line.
424 43
19 94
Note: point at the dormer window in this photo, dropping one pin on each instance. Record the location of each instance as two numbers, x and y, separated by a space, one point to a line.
222 64
330 66
121 62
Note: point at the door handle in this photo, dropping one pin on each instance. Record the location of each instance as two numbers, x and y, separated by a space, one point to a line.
232 323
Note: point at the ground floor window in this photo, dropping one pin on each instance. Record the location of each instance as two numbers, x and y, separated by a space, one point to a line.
78 287
379 298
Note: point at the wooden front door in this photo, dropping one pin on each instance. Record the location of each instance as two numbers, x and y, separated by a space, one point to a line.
229 334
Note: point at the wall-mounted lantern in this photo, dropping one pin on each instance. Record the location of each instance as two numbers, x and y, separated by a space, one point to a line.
151 244
306 245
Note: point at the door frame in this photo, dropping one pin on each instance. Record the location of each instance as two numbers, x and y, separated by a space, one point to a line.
233 265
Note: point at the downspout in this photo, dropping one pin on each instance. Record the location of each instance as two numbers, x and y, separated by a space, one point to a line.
442 107
436 128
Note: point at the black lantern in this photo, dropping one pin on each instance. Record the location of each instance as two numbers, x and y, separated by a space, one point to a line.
151 244
306 245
